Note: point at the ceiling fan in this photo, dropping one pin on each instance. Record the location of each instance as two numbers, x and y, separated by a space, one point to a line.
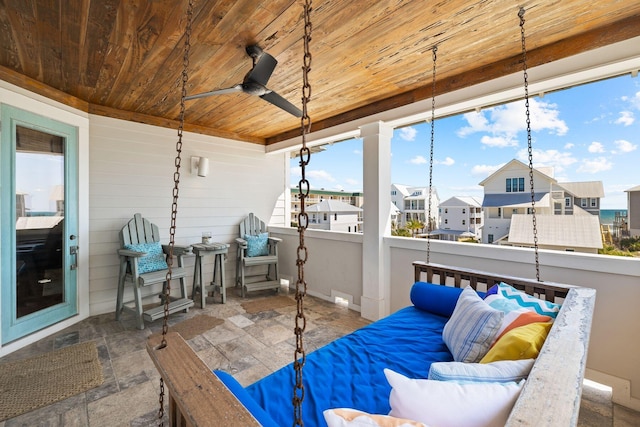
255 82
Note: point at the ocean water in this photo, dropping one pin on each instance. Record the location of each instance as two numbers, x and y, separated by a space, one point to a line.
607 215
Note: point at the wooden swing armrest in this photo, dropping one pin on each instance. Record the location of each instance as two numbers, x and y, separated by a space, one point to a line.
130 253
197 397
241 242
274 240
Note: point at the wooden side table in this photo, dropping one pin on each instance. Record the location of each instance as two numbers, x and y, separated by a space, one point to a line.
219 250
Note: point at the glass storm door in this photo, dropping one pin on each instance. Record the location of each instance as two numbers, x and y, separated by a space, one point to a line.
38 229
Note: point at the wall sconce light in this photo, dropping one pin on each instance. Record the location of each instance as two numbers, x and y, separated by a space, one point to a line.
200 165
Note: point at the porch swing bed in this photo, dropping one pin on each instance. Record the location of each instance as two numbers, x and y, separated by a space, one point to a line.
350 372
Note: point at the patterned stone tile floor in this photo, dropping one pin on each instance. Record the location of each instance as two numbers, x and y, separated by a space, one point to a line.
249 346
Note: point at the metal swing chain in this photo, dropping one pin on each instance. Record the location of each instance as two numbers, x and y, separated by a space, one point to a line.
433 121
176 190
529 143
303 221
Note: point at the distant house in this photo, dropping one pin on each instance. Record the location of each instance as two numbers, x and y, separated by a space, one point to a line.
334 215
633 211
317 196
460 216
413 202
507 193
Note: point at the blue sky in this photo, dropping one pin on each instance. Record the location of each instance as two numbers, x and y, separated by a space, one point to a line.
587 133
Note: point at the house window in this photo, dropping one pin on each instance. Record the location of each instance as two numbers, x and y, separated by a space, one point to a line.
325 216
515 185
394 192
335 217
594 203
446 210
446 221
499 212
490 238
464 222
514 211
464 211
583 202
567 202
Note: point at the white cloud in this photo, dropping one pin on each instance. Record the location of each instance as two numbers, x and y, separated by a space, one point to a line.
296 171
596 147
408 133
485 170
569 145
447 162
596 165
357 152
635 101
558 160
625 146
626 118
320 174
503 123
499 141
352 182
418 160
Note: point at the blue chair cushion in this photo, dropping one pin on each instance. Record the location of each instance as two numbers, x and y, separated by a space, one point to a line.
154 259
257 245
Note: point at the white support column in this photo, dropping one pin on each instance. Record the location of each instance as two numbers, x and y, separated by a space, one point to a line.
376 144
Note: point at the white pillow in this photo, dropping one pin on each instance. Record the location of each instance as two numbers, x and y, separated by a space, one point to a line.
451 404
472 327
344 417
500 371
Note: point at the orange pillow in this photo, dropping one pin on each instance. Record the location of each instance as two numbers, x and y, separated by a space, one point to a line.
515 319
523 342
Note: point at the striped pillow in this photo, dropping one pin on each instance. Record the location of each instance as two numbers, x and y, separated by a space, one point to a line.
500 371
472 327
525 300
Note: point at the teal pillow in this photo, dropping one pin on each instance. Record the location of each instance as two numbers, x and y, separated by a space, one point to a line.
154 259
521 299
257 245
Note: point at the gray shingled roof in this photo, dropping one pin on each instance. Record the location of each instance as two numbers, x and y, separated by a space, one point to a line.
569 231
584 189
333 206
513 199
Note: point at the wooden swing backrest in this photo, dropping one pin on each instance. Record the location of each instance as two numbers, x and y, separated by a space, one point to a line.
139 230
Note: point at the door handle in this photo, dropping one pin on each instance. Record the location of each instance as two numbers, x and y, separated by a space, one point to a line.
73 250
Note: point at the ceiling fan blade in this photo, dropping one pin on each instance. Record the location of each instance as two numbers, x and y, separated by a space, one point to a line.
236 88
279 101
263 69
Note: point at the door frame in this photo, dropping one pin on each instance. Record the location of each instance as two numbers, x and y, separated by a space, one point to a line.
37 104
14 327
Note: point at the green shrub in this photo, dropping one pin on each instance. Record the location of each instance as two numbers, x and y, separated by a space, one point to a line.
630 243
611 250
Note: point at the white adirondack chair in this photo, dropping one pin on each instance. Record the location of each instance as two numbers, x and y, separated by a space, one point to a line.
250 275
134 265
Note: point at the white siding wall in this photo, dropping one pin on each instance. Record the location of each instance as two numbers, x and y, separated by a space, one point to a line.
131 170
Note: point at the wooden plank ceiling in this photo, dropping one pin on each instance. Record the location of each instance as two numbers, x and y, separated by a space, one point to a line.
123 58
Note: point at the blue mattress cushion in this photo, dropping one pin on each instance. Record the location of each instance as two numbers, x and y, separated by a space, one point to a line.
348 373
